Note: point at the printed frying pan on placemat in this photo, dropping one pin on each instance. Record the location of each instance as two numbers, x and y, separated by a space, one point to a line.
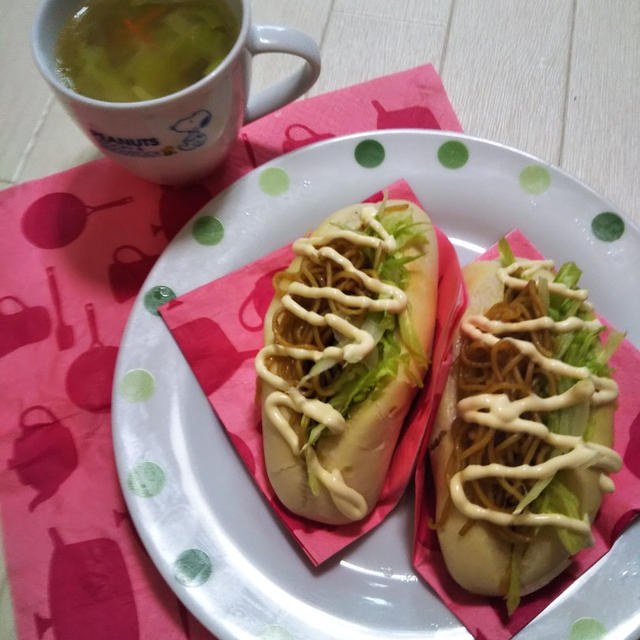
90 375
57 219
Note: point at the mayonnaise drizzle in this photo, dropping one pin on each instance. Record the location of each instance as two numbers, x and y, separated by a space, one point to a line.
387 298
497 411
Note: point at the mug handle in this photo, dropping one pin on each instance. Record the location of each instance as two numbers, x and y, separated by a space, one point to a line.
266 38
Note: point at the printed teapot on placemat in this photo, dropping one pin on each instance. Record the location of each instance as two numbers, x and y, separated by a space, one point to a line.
21 324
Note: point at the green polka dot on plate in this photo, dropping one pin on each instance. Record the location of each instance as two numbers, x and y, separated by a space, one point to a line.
192 568
535 179
369 153
137 385
274 181
453 154
275 632
146 479
207 230
587 629
156 296
607 226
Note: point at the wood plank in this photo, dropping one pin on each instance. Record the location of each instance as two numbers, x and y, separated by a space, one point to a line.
24 94
602 136
369 38
7 623
309 16
505 70
59 144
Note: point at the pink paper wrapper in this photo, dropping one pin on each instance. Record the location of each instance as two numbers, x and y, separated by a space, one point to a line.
220 342
486 617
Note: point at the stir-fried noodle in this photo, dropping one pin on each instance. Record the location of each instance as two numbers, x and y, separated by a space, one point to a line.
292 331
502 369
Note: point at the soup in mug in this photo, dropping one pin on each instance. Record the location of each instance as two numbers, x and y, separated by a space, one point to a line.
132 50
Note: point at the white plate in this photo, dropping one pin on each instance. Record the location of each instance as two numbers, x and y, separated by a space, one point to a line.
207 528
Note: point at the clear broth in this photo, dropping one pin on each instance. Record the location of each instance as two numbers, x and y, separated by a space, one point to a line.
133 50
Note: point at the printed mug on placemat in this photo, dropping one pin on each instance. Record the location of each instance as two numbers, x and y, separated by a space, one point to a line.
171 134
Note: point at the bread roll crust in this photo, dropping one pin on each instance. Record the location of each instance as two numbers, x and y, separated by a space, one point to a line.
362 453
479 561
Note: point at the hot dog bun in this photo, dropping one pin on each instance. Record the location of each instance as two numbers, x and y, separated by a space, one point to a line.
362 453
479 560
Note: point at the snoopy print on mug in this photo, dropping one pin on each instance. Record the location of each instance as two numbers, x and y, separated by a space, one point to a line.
193 126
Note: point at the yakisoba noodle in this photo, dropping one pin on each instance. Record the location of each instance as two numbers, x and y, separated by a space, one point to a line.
501 368
347 340
292 331
521 446
513 370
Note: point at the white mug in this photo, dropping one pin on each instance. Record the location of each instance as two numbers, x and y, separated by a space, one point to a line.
184 136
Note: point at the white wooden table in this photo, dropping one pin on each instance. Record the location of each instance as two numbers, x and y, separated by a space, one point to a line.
556 78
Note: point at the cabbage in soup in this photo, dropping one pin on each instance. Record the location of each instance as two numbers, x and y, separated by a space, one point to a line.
132 50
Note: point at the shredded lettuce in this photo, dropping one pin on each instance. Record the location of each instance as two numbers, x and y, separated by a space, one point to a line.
599 419
513 589
392 269
314 483
542 285
568 275
506 254
314 434
324 364
558 498
582 348
400 224
612 342
410 337
538 487
379 322
561 307
358 381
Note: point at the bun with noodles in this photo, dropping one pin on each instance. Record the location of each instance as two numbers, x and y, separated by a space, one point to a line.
521 445
347 342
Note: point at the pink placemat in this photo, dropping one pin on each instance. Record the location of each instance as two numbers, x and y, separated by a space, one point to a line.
74 250
220 349
486 617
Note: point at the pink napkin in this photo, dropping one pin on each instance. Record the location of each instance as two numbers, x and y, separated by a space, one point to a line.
486 617
220 343
74 250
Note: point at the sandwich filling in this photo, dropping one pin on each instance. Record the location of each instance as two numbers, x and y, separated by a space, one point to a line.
532 377
341 334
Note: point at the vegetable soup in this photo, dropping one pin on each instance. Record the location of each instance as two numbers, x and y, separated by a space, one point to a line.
133 50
